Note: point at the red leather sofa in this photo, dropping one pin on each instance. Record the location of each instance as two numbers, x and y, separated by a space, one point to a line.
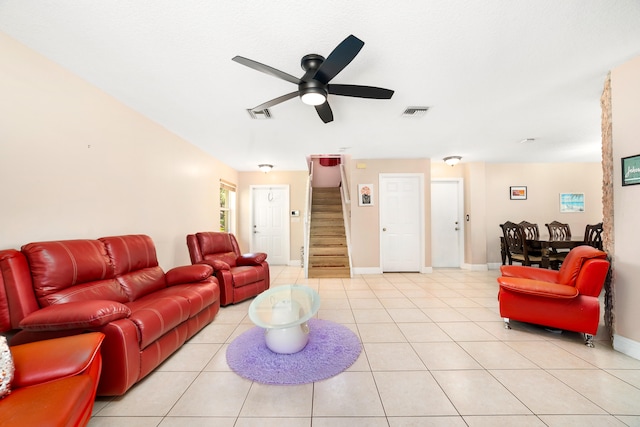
565 299
55 382
241 276
112 285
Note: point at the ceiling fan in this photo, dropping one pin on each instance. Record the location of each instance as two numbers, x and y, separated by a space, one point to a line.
313 86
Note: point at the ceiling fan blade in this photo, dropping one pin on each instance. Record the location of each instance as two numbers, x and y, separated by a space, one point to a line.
339 58
275 101
266 69
360 91
325 113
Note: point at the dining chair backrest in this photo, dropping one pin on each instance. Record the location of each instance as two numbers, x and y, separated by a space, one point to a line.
559 231
514 238
531 231
593 235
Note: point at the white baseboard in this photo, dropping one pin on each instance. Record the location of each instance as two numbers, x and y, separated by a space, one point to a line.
494 265
426 270
624 345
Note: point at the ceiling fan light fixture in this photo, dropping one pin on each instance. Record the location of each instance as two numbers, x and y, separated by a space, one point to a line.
313 96
265 167
452 160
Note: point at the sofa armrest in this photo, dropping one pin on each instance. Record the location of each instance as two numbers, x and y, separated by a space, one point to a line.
251 259
537 287
188 274
53 359
75 315
534 273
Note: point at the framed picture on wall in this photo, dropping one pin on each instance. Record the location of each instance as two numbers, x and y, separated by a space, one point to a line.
631 170
365 194
518 192
571 202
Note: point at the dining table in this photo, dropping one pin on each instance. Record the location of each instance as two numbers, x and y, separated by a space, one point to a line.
545 245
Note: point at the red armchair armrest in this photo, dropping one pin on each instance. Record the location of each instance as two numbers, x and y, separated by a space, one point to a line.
75 315
188 274
251 259
42 361
537 287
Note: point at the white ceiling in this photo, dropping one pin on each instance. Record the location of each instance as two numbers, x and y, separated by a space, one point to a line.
493 72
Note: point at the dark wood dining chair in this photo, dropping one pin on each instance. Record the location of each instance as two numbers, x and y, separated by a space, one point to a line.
593 235
515 243
559 231
531 231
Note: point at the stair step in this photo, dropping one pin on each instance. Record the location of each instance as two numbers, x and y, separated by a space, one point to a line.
329 272
328 250
327 241
328 261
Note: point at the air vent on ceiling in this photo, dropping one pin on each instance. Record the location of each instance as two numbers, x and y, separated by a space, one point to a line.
259 114
415 111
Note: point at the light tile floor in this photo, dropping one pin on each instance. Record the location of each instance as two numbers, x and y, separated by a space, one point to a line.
435 353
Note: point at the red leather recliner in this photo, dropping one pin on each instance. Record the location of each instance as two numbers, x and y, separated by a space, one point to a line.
111 285
565 299
55 382
241 276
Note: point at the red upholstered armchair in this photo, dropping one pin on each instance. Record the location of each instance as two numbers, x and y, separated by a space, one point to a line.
241 276
55 382
565 299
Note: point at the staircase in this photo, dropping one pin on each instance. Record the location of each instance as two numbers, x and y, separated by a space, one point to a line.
328 253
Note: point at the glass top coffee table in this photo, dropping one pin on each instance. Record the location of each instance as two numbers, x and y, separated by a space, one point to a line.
283 311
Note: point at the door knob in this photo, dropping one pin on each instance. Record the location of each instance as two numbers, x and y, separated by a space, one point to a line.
384 229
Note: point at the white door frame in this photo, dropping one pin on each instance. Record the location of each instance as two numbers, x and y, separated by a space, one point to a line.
460 183
421 217
287 227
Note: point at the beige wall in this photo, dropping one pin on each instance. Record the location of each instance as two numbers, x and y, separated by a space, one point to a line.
76 163
365 221
544 182
625 97
297 182
486 198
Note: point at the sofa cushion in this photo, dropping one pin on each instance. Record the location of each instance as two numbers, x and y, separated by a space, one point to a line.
199 295
155 315
56 266
75 315
218 245
142 282
130 253
246 275
102 290
221 261
537 287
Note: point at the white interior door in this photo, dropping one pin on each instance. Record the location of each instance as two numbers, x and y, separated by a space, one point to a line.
401 219
447 234
270 222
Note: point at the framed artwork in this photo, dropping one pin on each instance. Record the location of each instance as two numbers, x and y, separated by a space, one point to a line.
571 202
631 170
518 192
365 194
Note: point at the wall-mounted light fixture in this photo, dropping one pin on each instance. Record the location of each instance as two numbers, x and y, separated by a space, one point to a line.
452 160
265 167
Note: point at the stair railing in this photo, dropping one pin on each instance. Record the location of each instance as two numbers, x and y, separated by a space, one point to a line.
346 211
307 221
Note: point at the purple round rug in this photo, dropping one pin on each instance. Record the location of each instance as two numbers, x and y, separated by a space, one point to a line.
332 348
